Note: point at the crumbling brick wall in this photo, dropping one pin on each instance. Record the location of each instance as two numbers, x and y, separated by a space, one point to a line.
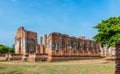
64 45
25 42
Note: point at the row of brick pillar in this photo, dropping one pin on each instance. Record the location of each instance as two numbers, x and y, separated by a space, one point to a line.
75 49
43 46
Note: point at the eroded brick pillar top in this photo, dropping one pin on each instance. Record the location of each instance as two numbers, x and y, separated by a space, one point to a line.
45 40
41 40
82 37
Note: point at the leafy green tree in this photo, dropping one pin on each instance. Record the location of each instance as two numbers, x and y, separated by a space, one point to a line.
4 49
108 31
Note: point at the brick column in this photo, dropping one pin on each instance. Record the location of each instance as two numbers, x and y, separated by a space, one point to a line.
41 45
117 59
45 44
41 40
45 40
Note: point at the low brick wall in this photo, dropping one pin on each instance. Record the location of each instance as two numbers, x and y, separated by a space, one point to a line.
37 57
13 56
73 57
2 55
45 57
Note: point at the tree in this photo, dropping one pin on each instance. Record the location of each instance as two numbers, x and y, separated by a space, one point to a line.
108 31
4 49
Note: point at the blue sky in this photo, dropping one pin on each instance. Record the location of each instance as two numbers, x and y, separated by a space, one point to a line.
73 17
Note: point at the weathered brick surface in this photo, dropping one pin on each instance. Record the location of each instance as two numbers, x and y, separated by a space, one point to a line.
117 58
37 57
64 46
25 41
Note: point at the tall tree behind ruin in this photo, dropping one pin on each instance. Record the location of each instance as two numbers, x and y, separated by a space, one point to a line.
108 31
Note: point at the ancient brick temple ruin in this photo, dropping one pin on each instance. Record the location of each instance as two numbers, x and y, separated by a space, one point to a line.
56 46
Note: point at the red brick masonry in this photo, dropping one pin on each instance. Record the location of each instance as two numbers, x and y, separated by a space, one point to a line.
56 46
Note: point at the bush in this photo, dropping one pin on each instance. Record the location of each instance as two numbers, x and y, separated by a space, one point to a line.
5 49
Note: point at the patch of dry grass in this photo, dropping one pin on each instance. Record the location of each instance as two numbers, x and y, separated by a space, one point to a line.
97 66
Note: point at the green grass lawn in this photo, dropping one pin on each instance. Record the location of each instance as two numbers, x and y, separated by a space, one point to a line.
65 67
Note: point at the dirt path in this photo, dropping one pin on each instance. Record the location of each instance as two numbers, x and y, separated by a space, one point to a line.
90 61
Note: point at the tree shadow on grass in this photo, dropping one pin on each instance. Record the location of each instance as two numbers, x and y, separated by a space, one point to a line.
2 67
15 72
12 72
